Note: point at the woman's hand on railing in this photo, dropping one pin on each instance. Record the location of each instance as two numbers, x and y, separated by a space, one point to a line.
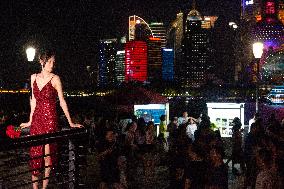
75 125
24 125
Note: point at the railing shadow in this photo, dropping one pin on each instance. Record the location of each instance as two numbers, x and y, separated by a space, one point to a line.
66 173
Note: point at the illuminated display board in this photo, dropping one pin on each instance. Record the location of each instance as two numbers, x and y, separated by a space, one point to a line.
152 112
222 115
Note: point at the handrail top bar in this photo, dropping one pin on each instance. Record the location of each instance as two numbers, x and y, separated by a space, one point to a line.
28 141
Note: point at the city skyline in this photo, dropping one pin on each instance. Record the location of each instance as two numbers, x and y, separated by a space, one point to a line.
74 30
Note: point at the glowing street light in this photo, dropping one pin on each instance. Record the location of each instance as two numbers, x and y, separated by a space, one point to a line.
257 52
30 53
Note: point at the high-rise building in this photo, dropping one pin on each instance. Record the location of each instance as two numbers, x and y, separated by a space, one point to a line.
195 51
281 11
208 22
107 53
174 40
177 28
142 32
159 31
120 66
168 64
154 59
269 30
136 22
250 10
136 61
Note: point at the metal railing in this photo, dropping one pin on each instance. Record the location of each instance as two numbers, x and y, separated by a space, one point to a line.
67 170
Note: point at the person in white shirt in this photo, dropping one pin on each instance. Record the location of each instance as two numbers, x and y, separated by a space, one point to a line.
191 128
183 119
251 121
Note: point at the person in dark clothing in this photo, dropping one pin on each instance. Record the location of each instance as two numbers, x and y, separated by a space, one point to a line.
237 151
195 168
108 156
217 172
177 180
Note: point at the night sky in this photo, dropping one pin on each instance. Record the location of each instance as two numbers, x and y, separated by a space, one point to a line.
73 28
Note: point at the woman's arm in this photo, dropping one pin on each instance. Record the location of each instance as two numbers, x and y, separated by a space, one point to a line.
32 104
63 104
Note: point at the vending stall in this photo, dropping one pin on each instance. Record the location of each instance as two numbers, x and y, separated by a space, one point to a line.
222 115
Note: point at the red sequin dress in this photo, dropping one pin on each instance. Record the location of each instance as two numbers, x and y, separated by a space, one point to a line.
44 121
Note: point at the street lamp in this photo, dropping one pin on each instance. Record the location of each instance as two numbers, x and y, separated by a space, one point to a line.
30 53
257 52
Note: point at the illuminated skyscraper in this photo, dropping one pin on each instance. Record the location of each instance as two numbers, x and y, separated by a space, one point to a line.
168 64
250 10
154 59
120 66
269 30
176 29
107 52
159 31
195 51
281 11
136 61
134 23
174 39
208 22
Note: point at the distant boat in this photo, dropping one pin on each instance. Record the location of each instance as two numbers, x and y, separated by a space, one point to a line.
276 95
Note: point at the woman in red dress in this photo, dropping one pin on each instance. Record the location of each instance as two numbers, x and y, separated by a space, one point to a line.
46 87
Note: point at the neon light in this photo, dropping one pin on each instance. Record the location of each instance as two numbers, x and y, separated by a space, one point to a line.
276 96
250 2
270 8
168 50
120 52
155 39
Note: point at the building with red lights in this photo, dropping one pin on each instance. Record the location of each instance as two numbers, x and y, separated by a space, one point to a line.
136 61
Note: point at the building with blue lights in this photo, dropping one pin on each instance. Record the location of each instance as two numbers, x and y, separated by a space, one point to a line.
168 64
107 57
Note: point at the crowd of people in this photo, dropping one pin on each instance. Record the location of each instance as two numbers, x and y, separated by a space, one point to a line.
191 149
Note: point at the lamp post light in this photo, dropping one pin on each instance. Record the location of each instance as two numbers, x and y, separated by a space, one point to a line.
30 53
257 52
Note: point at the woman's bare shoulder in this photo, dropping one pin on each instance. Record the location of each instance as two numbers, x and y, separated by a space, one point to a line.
33 76
55 77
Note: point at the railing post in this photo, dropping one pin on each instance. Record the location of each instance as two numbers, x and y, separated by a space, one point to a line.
72 168
1 184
